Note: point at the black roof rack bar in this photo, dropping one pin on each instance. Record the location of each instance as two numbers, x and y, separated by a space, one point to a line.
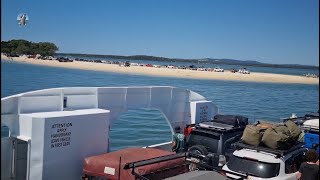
133 165
269 150
161 159
305 117
293 118
220 130
241 176
154 160
168 169
309 128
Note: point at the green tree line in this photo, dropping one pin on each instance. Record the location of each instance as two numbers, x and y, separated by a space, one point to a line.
20 47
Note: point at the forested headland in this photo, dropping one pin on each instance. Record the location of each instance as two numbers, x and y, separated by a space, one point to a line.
21 47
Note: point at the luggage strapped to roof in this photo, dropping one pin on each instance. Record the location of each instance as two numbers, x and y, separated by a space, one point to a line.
278 153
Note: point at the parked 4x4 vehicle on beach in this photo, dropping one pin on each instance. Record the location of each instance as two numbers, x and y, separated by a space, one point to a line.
216 136
127 64
265 163
244 71
218 69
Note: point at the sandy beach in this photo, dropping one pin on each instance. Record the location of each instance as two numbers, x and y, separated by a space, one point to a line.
166 72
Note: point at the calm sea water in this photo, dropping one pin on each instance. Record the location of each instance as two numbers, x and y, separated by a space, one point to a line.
142 127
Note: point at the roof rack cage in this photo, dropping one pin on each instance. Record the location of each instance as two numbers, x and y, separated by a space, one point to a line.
220 130
310 129
185 155
155 160
312 115
241 145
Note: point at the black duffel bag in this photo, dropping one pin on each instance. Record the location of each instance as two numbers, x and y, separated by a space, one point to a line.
233 120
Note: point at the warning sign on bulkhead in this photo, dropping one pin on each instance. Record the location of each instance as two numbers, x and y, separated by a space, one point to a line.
60 135
203 113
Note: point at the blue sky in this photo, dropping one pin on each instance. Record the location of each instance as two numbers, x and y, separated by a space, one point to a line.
269 31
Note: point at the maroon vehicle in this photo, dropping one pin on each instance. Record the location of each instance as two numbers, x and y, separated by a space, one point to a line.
113 165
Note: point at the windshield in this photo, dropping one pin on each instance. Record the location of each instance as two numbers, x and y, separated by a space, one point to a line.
253 167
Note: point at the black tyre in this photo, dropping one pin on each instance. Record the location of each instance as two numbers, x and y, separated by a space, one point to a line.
198 149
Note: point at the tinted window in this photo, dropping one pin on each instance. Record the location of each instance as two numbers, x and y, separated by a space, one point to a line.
292 165
253 167
289 166
207 140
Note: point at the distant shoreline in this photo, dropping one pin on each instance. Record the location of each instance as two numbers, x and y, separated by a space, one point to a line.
166 72
205 60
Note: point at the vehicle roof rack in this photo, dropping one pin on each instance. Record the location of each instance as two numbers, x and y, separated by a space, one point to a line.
185 155
298 120
307 128
307 116
217 127
277 152
154 160
312 114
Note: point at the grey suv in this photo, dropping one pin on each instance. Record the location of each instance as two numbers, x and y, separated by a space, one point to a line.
217 135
